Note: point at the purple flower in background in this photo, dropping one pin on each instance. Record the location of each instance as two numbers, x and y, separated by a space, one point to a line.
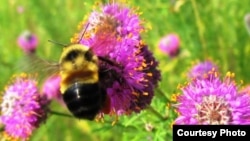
51 88
131 73
202 69
22 108
170 44
27 42
213 101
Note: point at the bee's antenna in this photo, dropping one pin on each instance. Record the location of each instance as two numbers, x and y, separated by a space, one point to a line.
57 43
83 33
54 42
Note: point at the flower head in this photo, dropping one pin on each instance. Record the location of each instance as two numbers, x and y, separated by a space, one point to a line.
128 70
22 108
202 69
213 101
28 42
170 44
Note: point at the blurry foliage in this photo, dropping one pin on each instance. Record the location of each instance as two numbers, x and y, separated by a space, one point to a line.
207 29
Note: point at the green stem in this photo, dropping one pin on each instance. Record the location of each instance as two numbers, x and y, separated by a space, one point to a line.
59 113
159 91
156 113
200 26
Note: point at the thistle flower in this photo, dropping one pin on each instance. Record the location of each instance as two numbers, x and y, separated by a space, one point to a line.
213 101
170 44
22 108
131 73
51 88
27 42
202 69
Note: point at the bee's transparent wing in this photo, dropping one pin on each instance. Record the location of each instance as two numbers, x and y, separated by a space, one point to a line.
35 65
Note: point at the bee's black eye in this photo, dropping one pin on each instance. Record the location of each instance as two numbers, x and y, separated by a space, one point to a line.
88 55
72 55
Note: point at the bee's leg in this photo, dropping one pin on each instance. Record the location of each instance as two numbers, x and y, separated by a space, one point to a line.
108 61
105 101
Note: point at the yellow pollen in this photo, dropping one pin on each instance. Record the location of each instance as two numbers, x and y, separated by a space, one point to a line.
118 38
74 39
87 35
23 75
216 74
144 65
168 105
140 68
179 86
138 51
178 113
229 74
140 13
149 74
135 93
241 82
142 42
80 25
174 97
130 35
145 93
171 125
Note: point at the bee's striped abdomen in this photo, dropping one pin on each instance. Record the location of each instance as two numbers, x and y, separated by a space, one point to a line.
84 100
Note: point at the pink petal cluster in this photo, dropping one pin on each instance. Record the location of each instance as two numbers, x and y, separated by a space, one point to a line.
22 108
28 42
114 33
213 101
170 44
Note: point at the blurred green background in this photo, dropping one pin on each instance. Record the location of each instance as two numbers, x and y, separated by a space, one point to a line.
208 29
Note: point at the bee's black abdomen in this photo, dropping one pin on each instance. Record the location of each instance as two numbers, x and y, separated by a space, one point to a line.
84 100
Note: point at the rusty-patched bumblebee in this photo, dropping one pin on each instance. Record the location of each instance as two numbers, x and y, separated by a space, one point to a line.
80 81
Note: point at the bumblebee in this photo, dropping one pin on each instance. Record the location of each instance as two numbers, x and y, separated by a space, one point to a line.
80 86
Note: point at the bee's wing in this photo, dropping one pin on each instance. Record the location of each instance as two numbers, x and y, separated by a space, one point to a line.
35 65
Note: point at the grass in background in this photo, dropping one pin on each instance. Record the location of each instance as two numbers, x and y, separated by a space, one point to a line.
208 30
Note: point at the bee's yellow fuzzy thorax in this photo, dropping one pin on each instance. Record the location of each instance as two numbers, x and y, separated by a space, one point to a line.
75 67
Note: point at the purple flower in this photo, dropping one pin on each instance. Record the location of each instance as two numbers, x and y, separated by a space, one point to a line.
22 108
27 42
51 88
213 101
170 44
131 74
202 69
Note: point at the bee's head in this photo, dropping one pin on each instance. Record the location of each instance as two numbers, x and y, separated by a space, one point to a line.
78 58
